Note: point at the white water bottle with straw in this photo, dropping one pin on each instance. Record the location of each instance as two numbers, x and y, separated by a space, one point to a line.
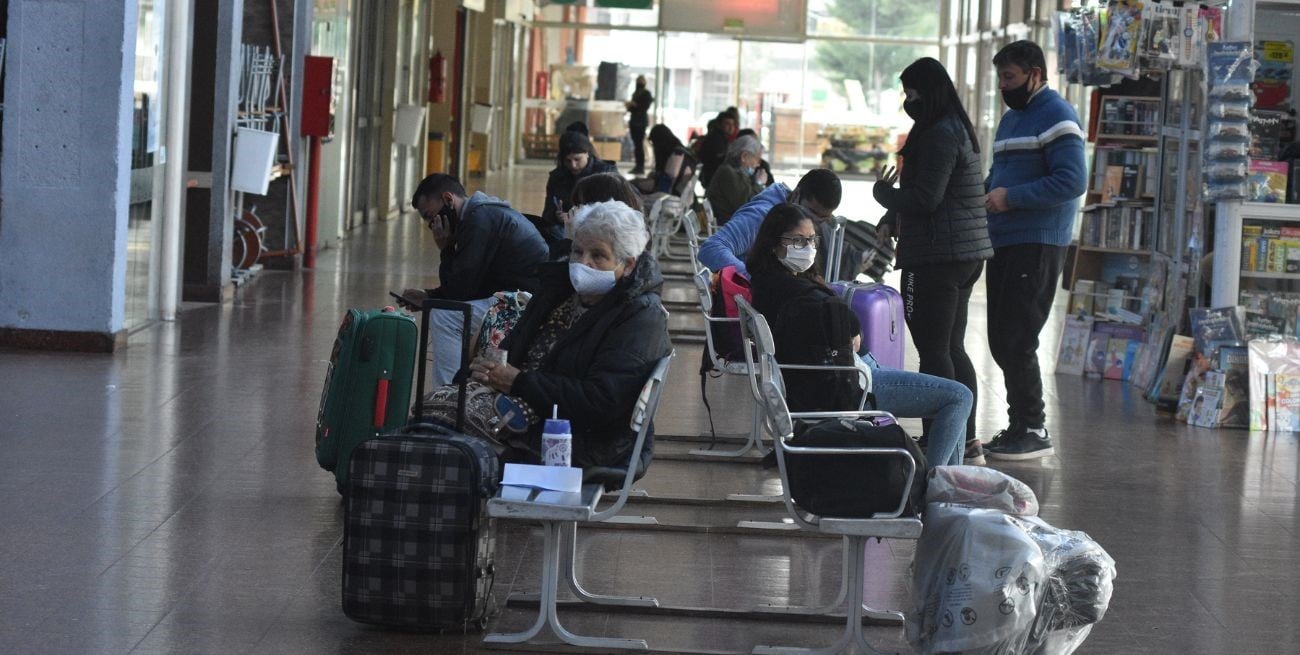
557 440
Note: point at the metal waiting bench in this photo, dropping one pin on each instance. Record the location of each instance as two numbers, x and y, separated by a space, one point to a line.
769 391
559 520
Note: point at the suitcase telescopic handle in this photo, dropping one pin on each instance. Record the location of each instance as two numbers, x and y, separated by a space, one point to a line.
462 376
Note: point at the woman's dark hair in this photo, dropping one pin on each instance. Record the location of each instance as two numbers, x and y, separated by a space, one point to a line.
762 254
600 187
573 142
938 96
662 142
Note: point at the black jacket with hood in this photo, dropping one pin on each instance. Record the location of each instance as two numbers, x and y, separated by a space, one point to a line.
559 185
494 248
596 370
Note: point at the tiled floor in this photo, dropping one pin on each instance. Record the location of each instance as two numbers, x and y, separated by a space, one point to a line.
166 499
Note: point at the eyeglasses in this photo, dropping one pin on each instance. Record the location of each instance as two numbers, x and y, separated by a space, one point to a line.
798 241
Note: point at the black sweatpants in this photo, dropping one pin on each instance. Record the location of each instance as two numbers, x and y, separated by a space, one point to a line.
1021 285
935 300
638 144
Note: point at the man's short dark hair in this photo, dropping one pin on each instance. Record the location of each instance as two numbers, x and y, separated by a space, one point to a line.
1025 54
436 185
822 185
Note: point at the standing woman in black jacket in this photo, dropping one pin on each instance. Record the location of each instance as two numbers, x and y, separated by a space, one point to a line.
937 214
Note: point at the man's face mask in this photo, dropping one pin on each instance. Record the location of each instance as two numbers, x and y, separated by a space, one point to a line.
1018 98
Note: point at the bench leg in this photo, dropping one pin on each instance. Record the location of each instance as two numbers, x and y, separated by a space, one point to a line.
755 441
571 574
548 621
825 609
852 639
867 611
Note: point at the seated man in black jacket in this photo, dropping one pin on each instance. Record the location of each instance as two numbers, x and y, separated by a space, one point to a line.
486 247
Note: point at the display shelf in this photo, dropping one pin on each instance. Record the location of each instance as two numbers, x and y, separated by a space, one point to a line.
1116 251
1269 211
1270 276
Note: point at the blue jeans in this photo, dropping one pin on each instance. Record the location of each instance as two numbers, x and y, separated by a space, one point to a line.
916 395
446 338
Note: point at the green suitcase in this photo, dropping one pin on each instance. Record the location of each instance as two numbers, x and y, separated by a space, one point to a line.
367 386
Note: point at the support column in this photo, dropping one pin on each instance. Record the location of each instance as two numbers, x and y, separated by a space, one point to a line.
209 212
65 177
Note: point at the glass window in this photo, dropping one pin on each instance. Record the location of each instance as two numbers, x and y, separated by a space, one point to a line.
873 18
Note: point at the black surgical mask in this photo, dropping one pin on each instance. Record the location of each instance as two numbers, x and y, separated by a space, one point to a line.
913 109
1018 98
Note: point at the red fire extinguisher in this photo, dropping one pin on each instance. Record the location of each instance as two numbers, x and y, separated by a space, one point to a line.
437 77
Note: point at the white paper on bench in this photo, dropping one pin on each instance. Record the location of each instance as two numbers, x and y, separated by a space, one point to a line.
511 492
549 478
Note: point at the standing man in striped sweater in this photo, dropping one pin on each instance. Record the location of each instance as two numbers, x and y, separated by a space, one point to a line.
1034 186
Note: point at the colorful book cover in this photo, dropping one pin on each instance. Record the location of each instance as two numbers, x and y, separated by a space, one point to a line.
1095 364
1170 379
1162 35
1263 325
1218 324
1205 409
1120 36
1287 393
1116 350
1266 181
1194 379
1072 354
1234 367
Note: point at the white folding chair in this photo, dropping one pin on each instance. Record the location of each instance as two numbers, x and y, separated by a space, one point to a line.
703 280
710 219
770 388
557 520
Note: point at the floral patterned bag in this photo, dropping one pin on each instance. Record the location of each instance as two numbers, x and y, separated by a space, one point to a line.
500 319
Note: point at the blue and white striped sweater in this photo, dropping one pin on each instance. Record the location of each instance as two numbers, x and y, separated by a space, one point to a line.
1038 157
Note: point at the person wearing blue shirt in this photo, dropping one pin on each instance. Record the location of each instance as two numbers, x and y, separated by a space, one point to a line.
1034 185
818 191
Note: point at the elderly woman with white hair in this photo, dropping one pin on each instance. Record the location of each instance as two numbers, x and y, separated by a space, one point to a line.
738 179
586 344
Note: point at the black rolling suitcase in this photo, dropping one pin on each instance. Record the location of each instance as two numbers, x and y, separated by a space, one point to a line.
418 547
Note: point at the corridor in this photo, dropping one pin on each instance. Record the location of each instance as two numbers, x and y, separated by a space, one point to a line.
167 499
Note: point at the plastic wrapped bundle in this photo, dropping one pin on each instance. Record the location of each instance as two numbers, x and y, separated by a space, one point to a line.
978 486
989 583
976 582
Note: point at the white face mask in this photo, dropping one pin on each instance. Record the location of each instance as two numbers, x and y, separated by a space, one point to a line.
799 259
588 281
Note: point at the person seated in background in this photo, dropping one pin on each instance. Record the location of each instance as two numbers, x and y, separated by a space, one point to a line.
711 149
762 163
812 325
818 191
585 345
486 247
737 180
575 160
663 143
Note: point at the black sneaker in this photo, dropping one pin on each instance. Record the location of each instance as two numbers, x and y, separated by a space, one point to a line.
1004 435
1030 444
974 455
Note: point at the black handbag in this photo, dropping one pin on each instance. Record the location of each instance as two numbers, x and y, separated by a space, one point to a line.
854 486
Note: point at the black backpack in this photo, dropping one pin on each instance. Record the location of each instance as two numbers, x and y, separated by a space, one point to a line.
854 486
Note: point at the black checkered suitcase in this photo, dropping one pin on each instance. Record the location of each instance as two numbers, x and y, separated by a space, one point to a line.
418 546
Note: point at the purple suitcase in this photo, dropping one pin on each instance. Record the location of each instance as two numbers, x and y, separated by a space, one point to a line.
880 313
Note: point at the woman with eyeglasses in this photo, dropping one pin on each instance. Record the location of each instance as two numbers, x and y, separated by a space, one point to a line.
812 325
937 212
